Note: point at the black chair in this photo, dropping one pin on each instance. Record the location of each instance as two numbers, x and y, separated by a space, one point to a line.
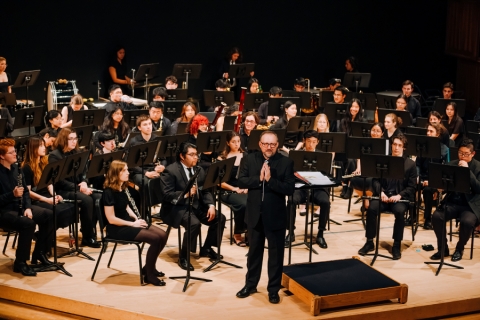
9 232
99 210
457 221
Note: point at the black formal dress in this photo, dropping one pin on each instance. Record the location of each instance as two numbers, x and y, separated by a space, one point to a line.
237 201
121 70
266 215
4 85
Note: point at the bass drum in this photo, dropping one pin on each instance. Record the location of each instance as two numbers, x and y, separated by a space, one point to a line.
58 94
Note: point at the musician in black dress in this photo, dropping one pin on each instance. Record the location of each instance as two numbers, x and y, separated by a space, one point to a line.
455 123
117 70
392 123
253 85
6 80
115 125
436 118
124 222
293 139
198 124
67 144
250 122
237 197
76 104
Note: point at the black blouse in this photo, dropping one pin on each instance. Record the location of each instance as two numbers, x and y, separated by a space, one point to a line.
4 85
30 181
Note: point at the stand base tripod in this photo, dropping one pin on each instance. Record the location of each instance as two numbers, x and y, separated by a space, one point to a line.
54 267
221 261
187 279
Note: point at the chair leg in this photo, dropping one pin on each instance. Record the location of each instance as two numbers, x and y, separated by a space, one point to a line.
350 201
231 226
451 230
140 261
169 228
471 245
6 241
143 246
179 242
96 265
111 257
14 239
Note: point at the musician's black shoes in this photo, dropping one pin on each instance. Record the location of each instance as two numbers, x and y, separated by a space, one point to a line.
42 259
208 252
348 193
273 297
438 255
457 255
367 247
245 292
396 253
23 268
90 242
157 273
427 225
322 243
288 239
182 262
155 281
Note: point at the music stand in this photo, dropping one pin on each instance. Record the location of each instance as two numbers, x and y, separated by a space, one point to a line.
441 104
473 126
382 167
3 128
101 162
325 97
404 115
357 80
180 200
254 100
300 124
305 98
172 109
368 100
451 179
454 154
240 70
186 71
361 129
74 164
228 123
49 176
9 99
146 72
254 138
209 115
332 142
26 79
170 144
276 105
28 117
130 116
416 130
177 94
138 156
21 146
475 138
84 135
386 101
215 98
422 122
88 117
211 141
336 111
219 172
308 161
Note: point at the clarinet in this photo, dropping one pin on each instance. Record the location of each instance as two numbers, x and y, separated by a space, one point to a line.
20 184
134 206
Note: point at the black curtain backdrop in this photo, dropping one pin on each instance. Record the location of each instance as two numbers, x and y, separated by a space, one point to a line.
74 40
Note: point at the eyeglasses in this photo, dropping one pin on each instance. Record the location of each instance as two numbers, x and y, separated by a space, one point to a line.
12 152
271 145
194 155
462 154
72 139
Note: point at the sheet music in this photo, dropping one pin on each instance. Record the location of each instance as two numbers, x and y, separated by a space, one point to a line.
315 177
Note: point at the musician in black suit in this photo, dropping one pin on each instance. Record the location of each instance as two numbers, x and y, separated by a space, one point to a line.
117 100
174 211
390 192
160 123
465 206
269 178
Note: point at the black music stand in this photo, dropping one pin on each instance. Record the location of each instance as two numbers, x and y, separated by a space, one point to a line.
100 163
422 122
138 156
357 80
404 115
28 117
88 117
21 146
441 104
336 111
361 129
473 126
308 161
416 130
74 164
386 101
26 79
382 167
49 176
172 109
254 138
228 123
8 99
180 198
305 98
300 124
254 100
215 98
187 71
326 96
276 105
146 72
3 128
182 127
368 100
475 138
240 70
451 179
177 94
169 145
84 135
211 141
130 116
332 142
219 172
209 115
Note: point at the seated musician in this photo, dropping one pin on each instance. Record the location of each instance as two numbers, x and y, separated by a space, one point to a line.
53 120
199 123
117 99
160 123
171 82
293 139
321 123
433 130
67 144
250 122
189 110
401 104
392 125
35 161
173 181
228 111
76 104
455 123
275 92
25 219
333 83
463 206
436 118
107 141
320 195
152 170
390 192
49 136
116 125
253 86
339 95
124 222
299 84
447 91
237 197
159 94
413 106
220 85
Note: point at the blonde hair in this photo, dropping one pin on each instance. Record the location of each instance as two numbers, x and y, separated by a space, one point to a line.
76 99
321 115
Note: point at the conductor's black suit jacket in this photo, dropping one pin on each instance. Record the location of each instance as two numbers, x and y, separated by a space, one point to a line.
272 209
173 181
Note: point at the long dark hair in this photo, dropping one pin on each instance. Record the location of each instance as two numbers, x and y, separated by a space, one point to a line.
226 151
108 124
287 105
345 122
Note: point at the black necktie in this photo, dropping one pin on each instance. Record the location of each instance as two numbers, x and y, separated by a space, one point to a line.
195 199
190 173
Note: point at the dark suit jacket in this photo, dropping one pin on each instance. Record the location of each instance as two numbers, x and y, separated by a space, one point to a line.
172 182
406 187
473 197
282 183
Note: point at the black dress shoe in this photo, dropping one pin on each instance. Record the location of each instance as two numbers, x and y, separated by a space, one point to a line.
156 272
322 243
344 190
396 253
245 292
457 255
348 193
92 243
438 255
42 258
427 225
208 252
274 297
288 239
158 282
23 268
367 247
182 262
303 213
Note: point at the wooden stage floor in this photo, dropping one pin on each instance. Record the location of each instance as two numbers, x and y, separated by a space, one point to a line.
116 293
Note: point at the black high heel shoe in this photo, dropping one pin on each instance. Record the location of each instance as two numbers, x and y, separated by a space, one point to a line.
158 283
157 273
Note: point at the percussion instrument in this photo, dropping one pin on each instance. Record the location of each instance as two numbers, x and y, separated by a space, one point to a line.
58 94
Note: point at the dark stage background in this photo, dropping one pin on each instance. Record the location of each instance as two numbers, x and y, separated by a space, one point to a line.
394 40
